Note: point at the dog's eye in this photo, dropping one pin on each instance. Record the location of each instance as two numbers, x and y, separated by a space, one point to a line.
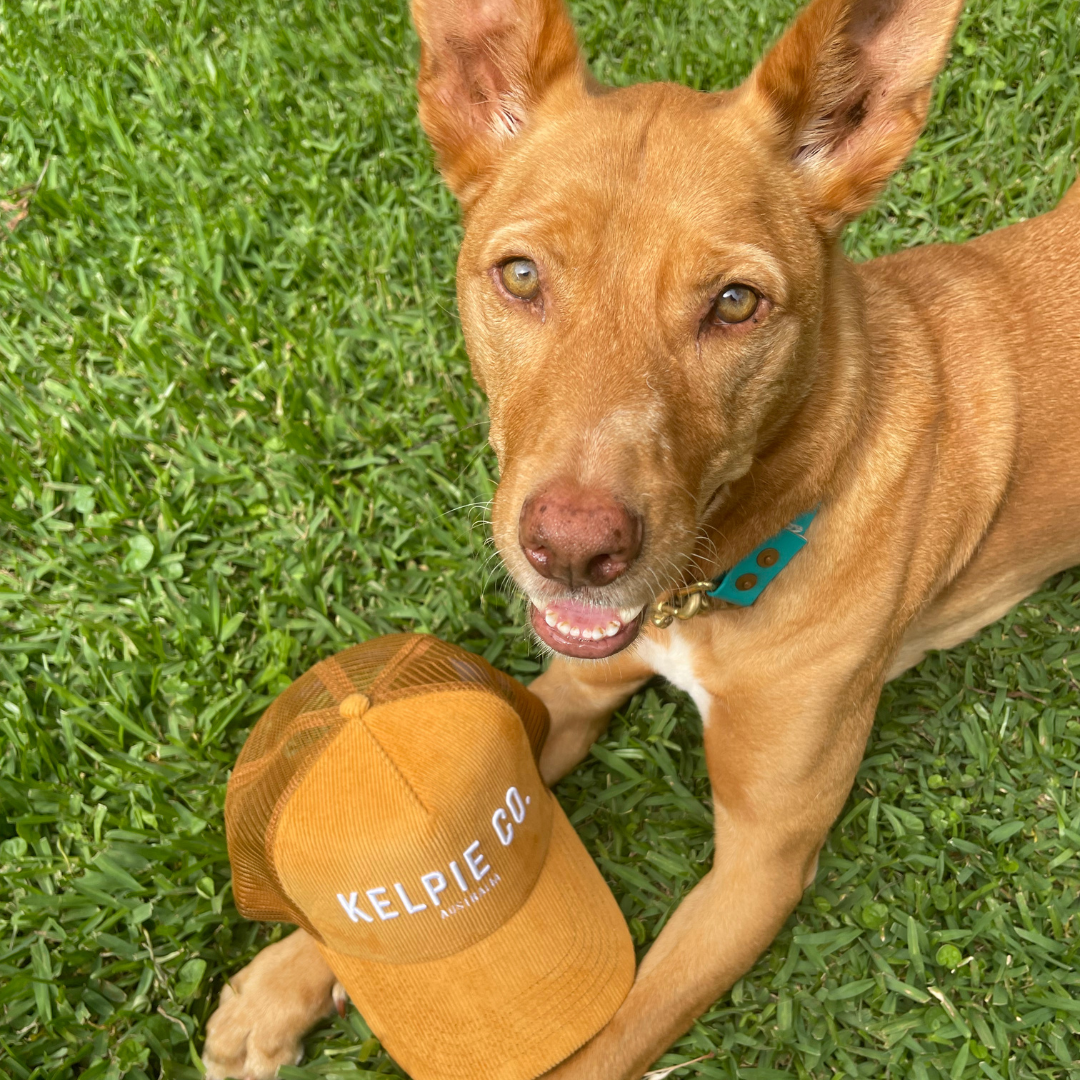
735 304
521 278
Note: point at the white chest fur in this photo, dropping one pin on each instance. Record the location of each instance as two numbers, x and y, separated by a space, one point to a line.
669 654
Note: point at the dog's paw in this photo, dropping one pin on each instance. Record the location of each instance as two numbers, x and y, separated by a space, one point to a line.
265 1010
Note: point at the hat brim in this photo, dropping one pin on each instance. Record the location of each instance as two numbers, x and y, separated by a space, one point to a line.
514 1005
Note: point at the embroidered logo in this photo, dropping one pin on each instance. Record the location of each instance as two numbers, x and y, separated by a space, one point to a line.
432 885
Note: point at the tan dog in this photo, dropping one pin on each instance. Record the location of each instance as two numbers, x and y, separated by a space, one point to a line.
679 361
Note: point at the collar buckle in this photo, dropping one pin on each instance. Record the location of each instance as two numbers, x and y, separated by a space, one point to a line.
681 604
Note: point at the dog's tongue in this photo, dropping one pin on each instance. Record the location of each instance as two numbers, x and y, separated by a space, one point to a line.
576 629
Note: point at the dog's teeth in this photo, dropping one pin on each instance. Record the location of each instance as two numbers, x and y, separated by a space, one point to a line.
628 614
616 622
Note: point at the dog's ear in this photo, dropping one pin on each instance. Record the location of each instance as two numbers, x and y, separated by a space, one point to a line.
847 90
484 66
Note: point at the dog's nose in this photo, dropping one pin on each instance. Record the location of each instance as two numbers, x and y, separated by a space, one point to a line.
578 536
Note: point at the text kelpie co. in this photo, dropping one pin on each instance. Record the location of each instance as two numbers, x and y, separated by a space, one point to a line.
434 883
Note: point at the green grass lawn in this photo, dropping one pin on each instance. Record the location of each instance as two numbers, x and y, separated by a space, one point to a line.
238 432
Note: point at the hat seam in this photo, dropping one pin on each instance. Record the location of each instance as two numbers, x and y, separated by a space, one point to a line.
272 747
412 649
393 764
334 678
245 772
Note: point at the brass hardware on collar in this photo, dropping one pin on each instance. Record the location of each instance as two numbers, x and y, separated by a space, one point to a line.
742 584
681 604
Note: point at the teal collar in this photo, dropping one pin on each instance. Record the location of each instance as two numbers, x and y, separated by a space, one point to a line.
744 582
747 579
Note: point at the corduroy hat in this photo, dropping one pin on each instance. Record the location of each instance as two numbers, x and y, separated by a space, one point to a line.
389 802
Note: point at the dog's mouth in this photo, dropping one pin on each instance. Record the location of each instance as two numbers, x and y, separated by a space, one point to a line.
583 630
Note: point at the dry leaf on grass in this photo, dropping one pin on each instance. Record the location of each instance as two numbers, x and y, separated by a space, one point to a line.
18 211
15 212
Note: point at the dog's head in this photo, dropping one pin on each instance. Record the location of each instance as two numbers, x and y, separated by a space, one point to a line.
647 283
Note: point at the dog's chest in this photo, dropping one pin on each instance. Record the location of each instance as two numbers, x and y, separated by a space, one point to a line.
670 654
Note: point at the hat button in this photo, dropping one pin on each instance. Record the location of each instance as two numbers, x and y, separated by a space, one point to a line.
354 706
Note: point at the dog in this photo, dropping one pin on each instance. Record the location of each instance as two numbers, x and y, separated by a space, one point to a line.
680 361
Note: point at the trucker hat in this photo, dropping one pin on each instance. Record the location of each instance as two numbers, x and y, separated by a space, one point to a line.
389 802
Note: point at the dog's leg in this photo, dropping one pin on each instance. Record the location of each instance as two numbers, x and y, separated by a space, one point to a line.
777 789
581 696
267 1008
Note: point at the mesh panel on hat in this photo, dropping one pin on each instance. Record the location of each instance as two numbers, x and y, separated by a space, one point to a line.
301 721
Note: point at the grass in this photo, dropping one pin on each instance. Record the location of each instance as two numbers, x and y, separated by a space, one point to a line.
238 433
